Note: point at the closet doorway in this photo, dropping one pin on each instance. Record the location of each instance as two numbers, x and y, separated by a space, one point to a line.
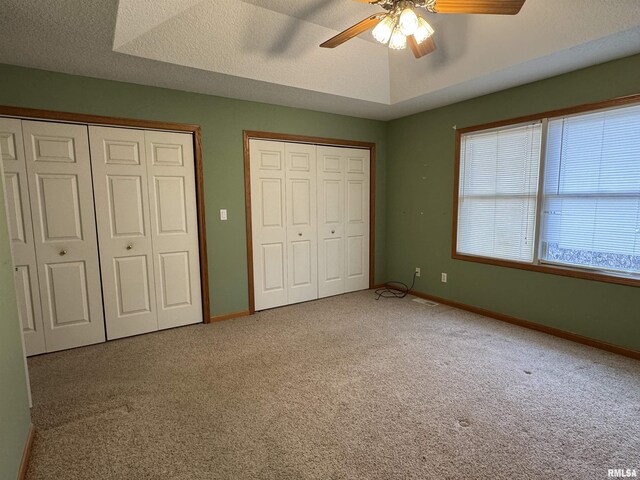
135 262
310 206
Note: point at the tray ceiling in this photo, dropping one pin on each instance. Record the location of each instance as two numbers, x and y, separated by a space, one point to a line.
267 50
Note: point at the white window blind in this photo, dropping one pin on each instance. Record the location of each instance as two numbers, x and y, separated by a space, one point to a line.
497 192
591 194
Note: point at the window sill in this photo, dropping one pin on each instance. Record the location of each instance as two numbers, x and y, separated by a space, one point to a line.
597 276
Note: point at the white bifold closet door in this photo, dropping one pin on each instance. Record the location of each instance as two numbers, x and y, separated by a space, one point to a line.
309 221
23 249
343 220
124 232
283 222
174 227
148 233
302 233
61 194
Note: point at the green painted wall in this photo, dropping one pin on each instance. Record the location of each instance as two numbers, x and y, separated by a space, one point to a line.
414 207
420 212
222 121
14 404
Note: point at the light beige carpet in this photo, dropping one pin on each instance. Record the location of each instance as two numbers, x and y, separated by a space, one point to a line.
341 388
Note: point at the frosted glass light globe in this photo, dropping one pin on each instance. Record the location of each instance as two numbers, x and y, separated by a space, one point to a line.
384 29
408 22
423 32
398 39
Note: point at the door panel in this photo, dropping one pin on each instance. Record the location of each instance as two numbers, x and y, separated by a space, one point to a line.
355 202
354 256
59 206
132 285
122 151
343 219
127 205
175 274
23 251
331 203
273 261
60 188
268 217
334 263
166 154
119 166
301 214
67 294
357 219
271 196
15 215
57 148
171 215
301 202
302 260
174 228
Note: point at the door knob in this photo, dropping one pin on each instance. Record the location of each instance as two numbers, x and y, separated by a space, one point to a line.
129 247
63 252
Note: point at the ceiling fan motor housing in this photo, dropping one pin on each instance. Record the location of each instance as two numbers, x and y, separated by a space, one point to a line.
389 5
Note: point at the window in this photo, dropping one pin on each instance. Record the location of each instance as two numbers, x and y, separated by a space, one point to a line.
584 214
498 192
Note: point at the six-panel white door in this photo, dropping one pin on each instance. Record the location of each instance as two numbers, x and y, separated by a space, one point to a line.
357 178
331 221
124 232
302 234
23 252
309 220
61 193
343 220
174 227
268 223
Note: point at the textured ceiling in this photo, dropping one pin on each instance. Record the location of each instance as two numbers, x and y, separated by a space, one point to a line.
267 50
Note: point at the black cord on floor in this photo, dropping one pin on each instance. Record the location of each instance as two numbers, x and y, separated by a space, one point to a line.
395 289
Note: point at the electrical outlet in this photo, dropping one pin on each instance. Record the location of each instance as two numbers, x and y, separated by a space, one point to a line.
417 271
443 277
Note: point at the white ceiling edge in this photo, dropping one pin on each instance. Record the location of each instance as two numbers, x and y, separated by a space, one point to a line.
576 58
471 47
242 89
278 49
135 17
168 76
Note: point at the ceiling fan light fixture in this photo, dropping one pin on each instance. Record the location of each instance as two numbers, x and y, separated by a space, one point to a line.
384 29
398 39
400 26
408 22
423 31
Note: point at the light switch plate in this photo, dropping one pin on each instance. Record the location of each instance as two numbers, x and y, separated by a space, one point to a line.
223 214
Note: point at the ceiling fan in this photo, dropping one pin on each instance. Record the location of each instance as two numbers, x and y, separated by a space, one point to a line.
400 25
